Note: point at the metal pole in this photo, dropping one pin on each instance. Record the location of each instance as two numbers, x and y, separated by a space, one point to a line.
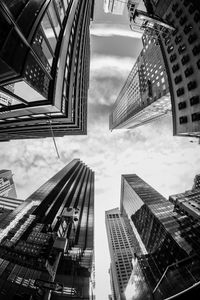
54 139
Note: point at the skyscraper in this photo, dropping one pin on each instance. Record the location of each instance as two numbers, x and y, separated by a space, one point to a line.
145 94
46 244
181 53
166 244
44 67
189 201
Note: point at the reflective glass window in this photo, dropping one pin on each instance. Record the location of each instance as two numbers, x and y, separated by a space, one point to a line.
49 32
60 9
54 18
26 92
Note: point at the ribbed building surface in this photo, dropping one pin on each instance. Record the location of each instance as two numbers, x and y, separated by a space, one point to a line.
165 245
44 67
181 52
145 94
46 244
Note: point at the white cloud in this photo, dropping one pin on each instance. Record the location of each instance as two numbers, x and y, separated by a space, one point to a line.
107 30
107 63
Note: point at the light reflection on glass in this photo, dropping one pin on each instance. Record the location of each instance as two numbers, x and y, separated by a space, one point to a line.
13 223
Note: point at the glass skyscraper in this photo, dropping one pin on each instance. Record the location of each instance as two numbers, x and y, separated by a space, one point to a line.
46 243
44 67
165 245
145 94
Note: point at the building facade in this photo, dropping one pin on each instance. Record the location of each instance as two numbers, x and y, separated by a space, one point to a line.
7 186
189 201
165 259
121 249
44 67
181 52
114 7
46 243
145 94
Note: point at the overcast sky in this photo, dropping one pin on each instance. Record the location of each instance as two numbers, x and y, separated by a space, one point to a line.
168 163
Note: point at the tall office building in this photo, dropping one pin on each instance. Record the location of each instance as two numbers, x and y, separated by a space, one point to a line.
181 53
46 244
189 201
44 67
166 260
145 94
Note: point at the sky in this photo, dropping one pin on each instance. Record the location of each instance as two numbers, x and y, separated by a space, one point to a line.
166 162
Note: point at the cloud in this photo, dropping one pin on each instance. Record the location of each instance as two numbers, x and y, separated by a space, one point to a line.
107 30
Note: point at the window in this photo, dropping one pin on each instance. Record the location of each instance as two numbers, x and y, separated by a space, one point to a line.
180 91
183 119
178 39
186 2
191 9
192 38
188 28
175 68
181 48
174 6
178 79
178 13
197 18
196 50
182 105
191 85
170 48
189 71
183 20
198 64
195 117
173 57
185 59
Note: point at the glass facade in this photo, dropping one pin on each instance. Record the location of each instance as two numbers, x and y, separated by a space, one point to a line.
170 238
48 239
145 94
44 56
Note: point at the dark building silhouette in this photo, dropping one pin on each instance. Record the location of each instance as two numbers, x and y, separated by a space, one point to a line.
181 53
163 260
44 67
46 243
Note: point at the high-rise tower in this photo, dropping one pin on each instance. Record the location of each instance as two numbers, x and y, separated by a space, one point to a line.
145 94
46 244
165 242
181 53
44 67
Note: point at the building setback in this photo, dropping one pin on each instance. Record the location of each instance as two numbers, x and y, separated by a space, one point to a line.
46 243
44 67
181 53
189 201
145 94
165 244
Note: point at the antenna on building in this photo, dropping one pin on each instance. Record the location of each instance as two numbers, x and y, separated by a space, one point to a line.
54 141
